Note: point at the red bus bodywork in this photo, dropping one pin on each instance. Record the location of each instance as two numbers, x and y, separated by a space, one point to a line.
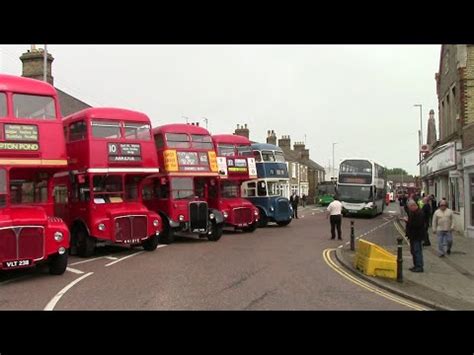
234 169
180 191
32 149
110 151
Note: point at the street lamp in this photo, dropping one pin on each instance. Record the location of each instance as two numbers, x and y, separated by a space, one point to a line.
421 128
333 162
205 120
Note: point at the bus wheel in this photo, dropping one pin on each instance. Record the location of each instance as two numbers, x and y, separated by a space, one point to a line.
167 235
263 221
58 264
251 228
85 244
216 232
151 243
284 223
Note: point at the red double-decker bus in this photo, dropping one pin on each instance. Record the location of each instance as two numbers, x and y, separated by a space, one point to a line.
32 149
110 150
180 192
234 168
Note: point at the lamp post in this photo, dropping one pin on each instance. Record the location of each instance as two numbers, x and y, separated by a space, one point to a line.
205 120
420 138
333 162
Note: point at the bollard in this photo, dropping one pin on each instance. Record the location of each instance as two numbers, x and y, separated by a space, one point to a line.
352 236
399 259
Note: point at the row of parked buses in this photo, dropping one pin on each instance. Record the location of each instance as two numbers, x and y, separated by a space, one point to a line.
104 176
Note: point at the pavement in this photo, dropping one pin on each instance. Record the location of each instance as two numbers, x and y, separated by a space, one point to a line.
446 284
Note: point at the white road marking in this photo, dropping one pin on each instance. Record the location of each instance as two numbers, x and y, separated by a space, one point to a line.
70 269
340 246
125 257
51 304
111 257
87 261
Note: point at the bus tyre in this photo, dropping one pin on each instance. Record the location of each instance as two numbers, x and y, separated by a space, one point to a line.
284 223
216 232
167 235
85 244
58 264
251 228
151 243
263 221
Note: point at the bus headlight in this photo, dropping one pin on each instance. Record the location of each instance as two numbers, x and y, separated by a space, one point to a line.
255 212
225 214
101 227
58 236
212 216
181 218
272 209
156 223
61 250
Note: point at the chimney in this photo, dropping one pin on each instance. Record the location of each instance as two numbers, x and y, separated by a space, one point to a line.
285 143
271 137
431 135
33 64
298 146
304 154
242 130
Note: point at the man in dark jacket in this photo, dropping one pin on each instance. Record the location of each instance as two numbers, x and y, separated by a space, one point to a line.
434 205
415 231
295 200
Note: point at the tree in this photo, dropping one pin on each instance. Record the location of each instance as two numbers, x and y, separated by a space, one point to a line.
397 171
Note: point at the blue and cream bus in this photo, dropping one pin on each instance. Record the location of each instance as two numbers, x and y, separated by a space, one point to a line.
270 191
361 187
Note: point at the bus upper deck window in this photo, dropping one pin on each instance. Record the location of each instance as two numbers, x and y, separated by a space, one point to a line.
77 131
34 107
3 105
268 156
177 140
225 150
139 131
105 129
202 141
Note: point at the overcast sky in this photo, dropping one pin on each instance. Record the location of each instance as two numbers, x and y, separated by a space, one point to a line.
361 97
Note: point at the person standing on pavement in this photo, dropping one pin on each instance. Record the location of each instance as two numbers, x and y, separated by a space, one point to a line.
402 200
443 226
295 200
415 231
427 213
304 200
434 205
334 213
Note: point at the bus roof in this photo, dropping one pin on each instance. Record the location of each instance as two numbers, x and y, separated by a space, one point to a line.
25 85
109 113
266 146
180 128
230 139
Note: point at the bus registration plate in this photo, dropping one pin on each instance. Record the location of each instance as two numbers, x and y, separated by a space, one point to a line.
16 264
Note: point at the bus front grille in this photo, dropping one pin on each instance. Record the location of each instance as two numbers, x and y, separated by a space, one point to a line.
198 213
129 229
22 243
242 215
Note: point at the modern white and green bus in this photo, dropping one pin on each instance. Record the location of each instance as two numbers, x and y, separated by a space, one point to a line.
361 187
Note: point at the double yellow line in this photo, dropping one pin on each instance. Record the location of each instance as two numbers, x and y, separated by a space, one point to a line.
367 286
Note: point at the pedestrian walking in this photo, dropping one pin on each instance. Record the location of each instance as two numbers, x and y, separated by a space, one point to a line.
295 200
304 200
434 205
415 231
427 213
334 213
443 226
403 202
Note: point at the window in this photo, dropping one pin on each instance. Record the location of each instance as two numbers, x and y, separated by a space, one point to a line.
454 192
60 194
77 131
244 150
275 188
34 107
230 189
177 140
105 129
3 105
138 131
250 189
268 156
26 191
257 155
159 141
3 188
262 188
279 157
293 170
225 150
107 188
80 188
182 188
131 187
202 141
